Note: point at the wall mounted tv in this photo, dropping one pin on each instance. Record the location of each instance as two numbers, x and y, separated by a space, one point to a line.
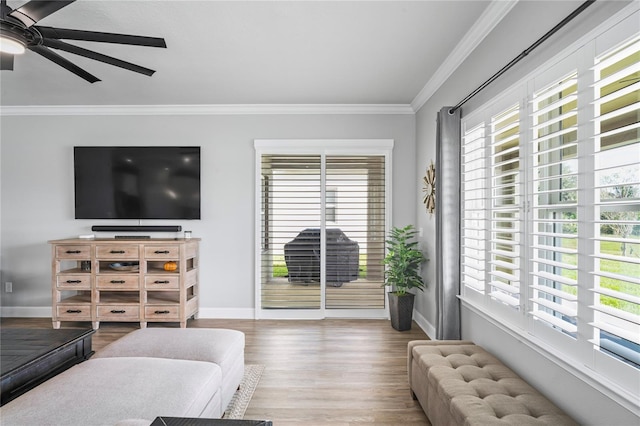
135 182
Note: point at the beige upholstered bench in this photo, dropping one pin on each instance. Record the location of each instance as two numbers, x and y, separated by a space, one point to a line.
459 383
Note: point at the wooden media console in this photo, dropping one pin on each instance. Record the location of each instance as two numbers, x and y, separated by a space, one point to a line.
121 280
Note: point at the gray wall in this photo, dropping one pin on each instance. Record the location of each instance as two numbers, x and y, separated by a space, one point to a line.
36 198
528 20
37 191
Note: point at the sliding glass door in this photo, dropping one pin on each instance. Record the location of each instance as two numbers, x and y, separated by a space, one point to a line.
322 225
290 232
354 270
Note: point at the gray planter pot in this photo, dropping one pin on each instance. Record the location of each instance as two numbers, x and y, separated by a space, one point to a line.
401 310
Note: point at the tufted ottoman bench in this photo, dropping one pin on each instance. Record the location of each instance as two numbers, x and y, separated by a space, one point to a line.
459 383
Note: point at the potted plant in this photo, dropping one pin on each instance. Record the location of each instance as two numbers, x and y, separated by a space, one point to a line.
402 273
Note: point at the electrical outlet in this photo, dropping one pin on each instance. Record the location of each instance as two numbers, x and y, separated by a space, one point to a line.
8 286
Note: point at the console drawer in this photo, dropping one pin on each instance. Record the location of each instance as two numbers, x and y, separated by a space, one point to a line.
73 282
162 252
73 312
156 282
155 312
118 312
117 282
120 251
73 252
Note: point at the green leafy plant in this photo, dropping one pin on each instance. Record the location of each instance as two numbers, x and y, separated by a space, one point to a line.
403 261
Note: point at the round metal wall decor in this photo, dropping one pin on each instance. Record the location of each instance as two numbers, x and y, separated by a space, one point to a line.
429 189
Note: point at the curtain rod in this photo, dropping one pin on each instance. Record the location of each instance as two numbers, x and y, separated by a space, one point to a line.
521 56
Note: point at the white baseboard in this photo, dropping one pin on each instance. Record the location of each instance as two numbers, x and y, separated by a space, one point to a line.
227 313
25 311
208 313
45 312
425 325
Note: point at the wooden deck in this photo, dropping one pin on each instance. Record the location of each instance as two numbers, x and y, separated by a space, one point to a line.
360 294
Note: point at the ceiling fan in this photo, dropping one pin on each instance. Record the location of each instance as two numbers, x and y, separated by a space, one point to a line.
19 32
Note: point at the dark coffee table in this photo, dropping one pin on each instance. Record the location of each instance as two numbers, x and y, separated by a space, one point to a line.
29 356
178 421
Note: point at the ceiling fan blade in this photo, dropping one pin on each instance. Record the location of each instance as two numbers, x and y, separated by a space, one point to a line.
4 9
35 10
53 56
6 61
57 44
69 34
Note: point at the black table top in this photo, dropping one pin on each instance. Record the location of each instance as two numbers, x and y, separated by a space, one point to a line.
178 421
20 346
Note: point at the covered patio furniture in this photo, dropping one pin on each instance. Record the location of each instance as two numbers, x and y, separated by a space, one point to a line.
302 256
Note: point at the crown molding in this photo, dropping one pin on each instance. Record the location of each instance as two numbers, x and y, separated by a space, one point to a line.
492 15
229 109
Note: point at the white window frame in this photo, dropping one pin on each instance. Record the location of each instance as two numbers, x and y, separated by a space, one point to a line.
608 374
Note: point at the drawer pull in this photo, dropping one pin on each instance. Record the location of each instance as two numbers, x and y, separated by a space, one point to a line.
73 251
162 312
161 282
73 311
117 281
116 311
74 281
117 252
162 252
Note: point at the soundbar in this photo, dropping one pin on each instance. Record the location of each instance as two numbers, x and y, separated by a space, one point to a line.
137 228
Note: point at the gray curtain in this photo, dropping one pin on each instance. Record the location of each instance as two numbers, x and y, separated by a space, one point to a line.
448 225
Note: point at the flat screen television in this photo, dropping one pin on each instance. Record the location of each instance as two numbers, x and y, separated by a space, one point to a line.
135 182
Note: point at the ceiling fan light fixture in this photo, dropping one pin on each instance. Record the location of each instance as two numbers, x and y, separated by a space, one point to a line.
18 33
11 45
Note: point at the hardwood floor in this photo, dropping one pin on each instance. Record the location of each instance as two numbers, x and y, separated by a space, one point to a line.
329 372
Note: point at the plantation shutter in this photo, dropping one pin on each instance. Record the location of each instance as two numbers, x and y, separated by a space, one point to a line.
355 231
617 193
555 204
474 208
561 207
506 201
291 203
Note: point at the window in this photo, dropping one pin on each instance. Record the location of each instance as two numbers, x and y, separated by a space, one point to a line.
331 197
474 209
554 253
504 270
617 200
551 207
